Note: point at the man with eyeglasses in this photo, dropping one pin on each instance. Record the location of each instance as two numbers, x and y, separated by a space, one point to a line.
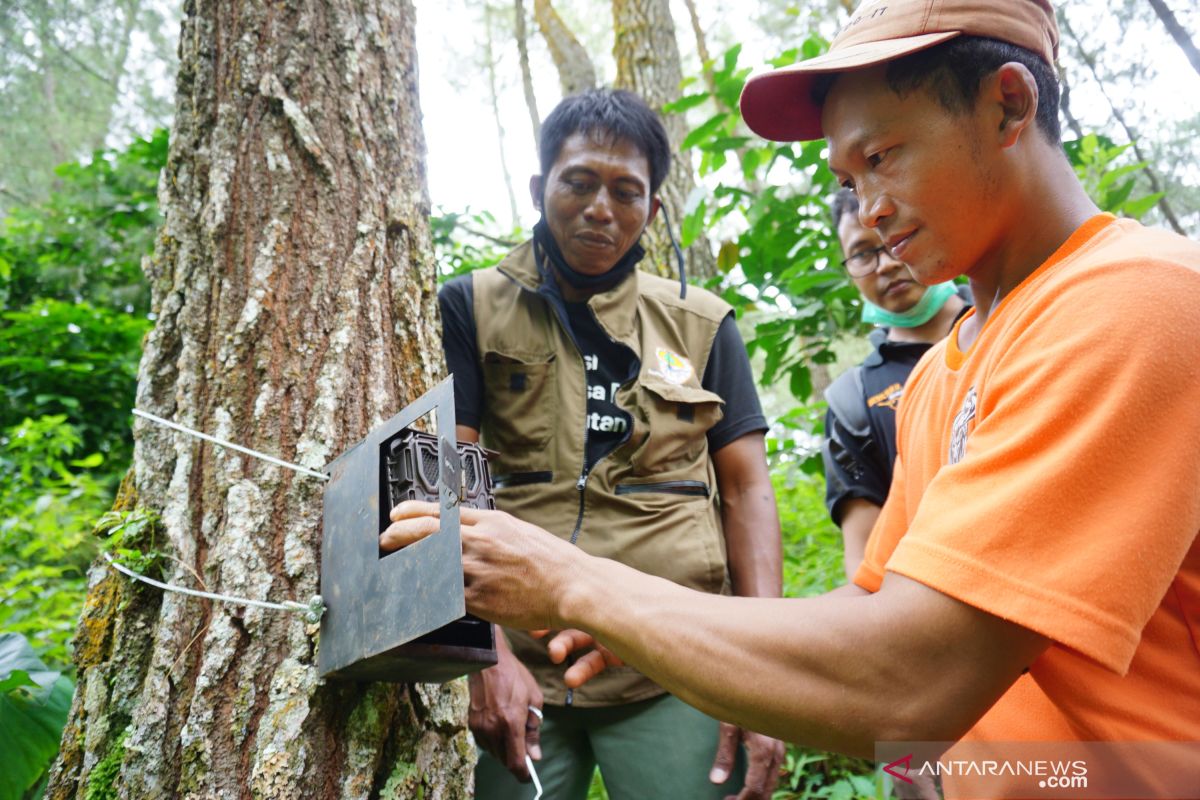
860 425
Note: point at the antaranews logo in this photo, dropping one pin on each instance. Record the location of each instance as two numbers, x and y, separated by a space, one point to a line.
906 761
1138 770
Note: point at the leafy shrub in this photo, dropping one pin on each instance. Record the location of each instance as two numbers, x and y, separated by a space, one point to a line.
87 240
76 360
46 512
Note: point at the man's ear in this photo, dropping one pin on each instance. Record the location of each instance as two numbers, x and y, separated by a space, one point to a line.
535 190
1014 91
655 205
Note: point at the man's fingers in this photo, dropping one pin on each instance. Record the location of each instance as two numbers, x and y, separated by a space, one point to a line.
407 530
566 642
414 508
758 774
533 733
514 749
728 737
587 667
764 756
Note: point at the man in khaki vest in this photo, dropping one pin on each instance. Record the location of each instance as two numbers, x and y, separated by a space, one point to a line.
624 415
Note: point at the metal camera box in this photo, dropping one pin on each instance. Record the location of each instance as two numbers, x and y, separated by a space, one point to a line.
401 616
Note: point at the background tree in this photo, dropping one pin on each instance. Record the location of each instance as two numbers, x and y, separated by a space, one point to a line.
295 301
66 67
489 67
521 36
575 70
648 65
1115 62
1178 32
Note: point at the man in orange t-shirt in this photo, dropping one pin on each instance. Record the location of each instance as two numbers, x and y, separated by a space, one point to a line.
1035 572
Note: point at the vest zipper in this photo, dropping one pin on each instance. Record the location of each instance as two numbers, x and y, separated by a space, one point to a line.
556 303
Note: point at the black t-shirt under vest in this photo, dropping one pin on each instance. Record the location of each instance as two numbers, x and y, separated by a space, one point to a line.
607 365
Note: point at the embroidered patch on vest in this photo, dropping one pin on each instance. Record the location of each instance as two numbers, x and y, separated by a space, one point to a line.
673 368
958 433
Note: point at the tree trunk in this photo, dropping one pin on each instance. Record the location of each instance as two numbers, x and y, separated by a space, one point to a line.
294 288
1177 32
522 36
489 55
575 71
648 64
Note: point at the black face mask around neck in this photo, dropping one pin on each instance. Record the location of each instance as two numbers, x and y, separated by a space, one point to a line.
591 283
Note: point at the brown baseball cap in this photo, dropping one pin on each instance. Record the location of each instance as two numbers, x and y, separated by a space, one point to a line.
778 105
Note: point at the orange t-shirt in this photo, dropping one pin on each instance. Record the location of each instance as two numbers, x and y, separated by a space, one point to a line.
1050 475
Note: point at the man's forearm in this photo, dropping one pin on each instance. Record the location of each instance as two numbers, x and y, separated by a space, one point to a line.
838 672
780 649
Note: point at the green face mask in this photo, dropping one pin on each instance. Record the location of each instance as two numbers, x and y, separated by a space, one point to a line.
930 303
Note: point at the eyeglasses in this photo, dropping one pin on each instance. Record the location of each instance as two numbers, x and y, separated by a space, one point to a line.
864 262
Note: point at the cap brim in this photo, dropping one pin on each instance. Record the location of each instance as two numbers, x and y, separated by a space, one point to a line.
778 105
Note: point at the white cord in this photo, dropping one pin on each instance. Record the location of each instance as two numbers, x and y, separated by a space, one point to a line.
312 611
537 712
190 432
533 774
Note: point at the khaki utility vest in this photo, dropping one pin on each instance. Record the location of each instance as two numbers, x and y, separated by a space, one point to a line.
650 503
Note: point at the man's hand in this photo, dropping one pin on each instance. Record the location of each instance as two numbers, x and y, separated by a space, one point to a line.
764 757
587 666
515 573
500 715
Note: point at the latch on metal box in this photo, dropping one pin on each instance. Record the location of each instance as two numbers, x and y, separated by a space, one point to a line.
401 617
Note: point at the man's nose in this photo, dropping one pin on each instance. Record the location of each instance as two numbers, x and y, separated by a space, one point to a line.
873 207
600 207
889 263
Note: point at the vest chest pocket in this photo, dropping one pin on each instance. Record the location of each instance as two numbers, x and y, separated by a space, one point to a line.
674 422
520 405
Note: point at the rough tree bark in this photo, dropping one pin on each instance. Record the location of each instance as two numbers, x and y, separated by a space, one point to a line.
575 71
648 64
295 293
522 37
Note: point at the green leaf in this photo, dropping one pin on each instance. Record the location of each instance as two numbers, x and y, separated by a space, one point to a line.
31 720
685 103
692 226
727 256
17 678
705 131
723 143
1137 208
90 462
801 383
813 47
1110 177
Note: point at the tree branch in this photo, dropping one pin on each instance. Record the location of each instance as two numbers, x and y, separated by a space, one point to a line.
1155 185
526 75
575 70
1177 32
